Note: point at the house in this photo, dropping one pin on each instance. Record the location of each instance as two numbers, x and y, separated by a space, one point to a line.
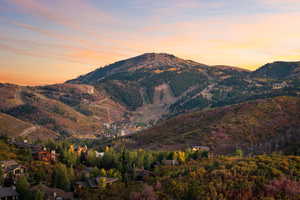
142 174
278 86
11 170
106 125
86 172
170 162
25 145
44 155
99 154
200 148
8 193
79 186
93 183
53 193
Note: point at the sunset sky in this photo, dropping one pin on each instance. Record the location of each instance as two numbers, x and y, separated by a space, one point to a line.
50 41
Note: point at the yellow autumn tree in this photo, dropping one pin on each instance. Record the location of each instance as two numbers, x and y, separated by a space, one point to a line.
181 156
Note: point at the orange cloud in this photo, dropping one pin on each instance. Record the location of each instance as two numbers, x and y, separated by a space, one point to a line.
86 44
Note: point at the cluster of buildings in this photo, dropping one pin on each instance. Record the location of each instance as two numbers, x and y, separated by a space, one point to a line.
12 171
38 151
121 128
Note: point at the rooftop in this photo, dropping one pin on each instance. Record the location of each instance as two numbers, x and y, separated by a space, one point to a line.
8 192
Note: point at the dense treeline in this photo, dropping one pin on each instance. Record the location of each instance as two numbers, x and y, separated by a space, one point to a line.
261 177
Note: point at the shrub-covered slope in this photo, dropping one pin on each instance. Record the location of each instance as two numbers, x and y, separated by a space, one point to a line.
260 126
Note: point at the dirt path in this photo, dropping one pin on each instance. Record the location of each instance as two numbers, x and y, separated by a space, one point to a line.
28 131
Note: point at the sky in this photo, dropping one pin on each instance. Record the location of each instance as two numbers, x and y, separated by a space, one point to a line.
51 41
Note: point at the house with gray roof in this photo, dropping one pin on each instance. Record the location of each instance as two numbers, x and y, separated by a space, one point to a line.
8 193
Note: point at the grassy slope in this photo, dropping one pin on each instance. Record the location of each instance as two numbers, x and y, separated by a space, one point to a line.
13 127
257 126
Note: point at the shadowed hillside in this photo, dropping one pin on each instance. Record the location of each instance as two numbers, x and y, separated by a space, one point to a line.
260 126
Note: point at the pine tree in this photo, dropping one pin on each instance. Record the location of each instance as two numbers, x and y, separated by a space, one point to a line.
22 186
39 195
61 178
91 158
1 176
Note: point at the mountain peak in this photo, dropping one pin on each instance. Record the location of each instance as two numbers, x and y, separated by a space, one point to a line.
146 61
153 55
157 59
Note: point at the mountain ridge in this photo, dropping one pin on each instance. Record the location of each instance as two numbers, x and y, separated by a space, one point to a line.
143 90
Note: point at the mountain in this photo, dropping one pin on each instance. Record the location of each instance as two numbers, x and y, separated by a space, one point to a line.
260 126
154 86
138 92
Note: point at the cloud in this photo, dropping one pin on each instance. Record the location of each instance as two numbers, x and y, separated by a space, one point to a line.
68 53
82 44
70 13
281 4
76 15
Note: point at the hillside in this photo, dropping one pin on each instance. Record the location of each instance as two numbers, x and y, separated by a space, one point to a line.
70 110
260 126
